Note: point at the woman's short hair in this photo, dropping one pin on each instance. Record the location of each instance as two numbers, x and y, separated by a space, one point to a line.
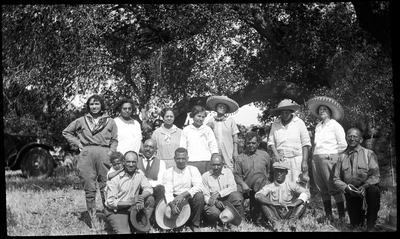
197 109
119 104
96 98
165 110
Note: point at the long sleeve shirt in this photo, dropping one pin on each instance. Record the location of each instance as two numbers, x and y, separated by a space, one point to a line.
161 170
224 184
330 138
177 181
290 139
248 164
78 132
363 169
124 188
200 142
285 193
168 141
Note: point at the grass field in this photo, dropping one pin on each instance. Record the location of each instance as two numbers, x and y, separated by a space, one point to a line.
56 206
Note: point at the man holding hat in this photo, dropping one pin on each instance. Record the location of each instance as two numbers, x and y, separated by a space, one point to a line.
357 175
219 186
183 182
224 127
252 171
289 139
282 199
124 204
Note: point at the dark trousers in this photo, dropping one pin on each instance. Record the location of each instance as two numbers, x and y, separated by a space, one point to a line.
255 206
120 220
355 209
196 205
212 212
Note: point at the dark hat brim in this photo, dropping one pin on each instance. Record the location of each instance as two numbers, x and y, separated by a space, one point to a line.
143 224
236 215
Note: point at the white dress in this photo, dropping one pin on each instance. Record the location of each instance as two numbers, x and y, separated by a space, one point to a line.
129 136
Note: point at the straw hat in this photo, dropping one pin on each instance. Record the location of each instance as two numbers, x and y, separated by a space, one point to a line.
336 108
212 102
230 214
140 220
166 220
285 104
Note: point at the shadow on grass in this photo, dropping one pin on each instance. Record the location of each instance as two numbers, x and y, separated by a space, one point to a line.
100 218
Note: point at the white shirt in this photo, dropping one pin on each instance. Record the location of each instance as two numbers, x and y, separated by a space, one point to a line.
178 181
330 138
199 142
129 136
290 139
160 174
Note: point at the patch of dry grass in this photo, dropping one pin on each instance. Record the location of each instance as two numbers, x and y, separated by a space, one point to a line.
56 206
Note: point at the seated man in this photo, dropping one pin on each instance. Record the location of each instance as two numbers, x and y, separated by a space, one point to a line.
219 186
153 168
183 182
358 169
123 195
282 199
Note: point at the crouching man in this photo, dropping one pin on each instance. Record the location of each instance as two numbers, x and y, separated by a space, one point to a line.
281 199
123 196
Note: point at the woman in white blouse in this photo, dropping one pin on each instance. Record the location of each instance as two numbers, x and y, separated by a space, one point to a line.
329 142
199 140
129 130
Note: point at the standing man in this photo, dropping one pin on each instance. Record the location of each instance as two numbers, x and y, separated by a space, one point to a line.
183 182
357 175
252 165
219 186
123 195
95 134
282 199
289 139
153 168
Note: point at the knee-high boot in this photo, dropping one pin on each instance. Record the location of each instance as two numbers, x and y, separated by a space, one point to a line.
328 209
340 207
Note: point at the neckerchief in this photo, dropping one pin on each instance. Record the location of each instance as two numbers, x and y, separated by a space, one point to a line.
223 118
95 128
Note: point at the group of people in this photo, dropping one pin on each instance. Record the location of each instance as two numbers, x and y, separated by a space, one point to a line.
196 175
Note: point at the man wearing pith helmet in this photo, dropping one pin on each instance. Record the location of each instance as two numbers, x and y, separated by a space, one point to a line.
289 139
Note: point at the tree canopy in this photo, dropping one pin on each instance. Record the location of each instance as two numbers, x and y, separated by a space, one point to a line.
180 54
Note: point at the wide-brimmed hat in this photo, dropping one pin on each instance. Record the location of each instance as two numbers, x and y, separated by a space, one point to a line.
391 223
281 165
212 102
285 104
139 220
256 181
336 108
166 220
230 214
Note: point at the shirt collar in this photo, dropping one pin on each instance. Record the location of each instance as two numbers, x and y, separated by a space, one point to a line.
356 149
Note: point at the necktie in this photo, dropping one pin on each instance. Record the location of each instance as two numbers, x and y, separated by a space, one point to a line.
148 165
